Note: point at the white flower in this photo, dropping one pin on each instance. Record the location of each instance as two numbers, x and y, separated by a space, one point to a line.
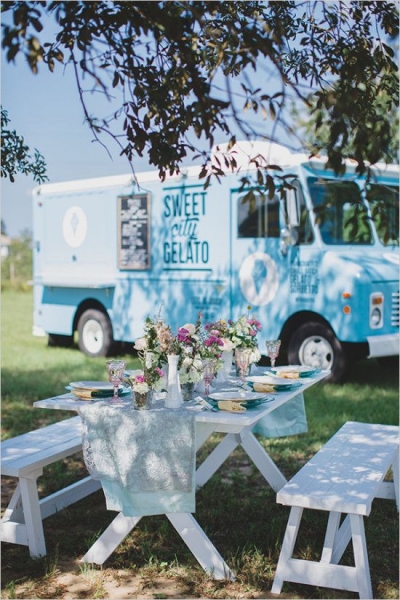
141 344
228 345
236 341
141 388
255 355
189 327
187 362
161 384
190 376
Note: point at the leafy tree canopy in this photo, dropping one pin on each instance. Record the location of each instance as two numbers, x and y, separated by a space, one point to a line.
175 68
16 157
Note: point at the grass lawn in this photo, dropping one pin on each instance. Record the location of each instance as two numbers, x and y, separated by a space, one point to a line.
236 509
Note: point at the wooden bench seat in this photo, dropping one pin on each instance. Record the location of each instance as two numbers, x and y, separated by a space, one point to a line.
24 457
344 477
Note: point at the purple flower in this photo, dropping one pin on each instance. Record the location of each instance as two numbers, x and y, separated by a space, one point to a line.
213 339
182 334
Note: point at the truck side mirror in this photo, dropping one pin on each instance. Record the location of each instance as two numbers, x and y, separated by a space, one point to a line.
292 208
289 237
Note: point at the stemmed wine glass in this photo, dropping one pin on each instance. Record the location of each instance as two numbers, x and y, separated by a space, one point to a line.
116 371
273 350
208 374
242 359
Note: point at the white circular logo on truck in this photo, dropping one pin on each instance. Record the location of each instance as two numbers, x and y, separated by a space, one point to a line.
259 279
74 226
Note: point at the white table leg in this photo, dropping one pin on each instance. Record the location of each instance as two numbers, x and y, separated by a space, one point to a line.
330 536
32 515
200 546
283 570
361 556
263 461
215 459
115 533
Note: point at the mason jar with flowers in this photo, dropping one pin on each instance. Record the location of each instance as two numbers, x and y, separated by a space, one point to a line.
210 352
190 363
143 383
243 334
223 330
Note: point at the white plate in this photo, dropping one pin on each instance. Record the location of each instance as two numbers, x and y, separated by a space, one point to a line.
302 370
237 396
269 380
91 385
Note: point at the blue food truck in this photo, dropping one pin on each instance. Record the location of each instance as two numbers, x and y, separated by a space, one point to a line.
110 251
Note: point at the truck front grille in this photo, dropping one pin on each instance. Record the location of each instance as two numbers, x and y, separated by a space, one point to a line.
395 309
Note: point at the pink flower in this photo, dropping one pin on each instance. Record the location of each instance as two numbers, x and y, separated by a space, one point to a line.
183 334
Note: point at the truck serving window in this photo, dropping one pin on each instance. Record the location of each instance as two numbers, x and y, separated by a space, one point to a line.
384 203
258 216
304 229
340 213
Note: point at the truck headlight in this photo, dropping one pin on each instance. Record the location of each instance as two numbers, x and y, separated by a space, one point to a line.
376 310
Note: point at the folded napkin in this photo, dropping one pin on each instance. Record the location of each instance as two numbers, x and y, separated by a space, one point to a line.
231 406
289 374
263 387
144 459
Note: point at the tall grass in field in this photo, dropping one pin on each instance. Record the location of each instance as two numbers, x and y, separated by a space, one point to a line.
236 508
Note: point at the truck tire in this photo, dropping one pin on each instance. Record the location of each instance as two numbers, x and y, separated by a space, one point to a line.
95 333
314 344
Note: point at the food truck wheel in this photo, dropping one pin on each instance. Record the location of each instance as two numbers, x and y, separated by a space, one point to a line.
315 345
95 333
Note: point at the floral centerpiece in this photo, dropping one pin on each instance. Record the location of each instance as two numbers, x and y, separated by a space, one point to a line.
154 346
188 342
212 347
241 333
146 380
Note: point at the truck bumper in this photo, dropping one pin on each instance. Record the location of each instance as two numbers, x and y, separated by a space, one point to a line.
38 331
383 345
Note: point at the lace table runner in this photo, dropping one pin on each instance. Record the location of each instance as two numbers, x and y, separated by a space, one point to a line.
144 459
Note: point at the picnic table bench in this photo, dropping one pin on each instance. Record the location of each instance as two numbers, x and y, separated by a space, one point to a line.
344 477
24 457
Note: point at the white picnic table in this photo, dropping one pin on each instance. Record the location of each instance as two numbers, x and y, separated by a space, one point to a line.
237 428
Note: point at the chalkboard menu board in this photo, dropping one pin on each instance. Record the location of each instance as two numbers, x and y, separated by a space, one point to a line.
134 232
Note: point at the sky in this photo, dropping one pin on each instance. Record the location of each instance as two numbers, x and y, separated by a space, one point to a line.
45 110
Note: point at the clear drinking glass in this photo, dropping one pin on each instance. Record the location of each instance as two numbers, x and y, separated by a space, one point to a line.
208 374
273 347
242 359
116 371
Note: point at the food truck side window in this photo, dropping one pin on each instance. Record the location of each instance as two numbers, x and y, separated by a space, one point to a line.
258 216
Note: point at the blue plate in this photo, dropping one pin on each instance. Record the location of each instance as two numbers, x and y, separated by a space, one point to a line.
245 403
302 370
280 387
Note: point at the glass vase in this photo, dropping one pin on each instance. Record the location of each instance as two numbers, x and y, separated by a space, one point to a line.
174 397
224 372
142 401
187 390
